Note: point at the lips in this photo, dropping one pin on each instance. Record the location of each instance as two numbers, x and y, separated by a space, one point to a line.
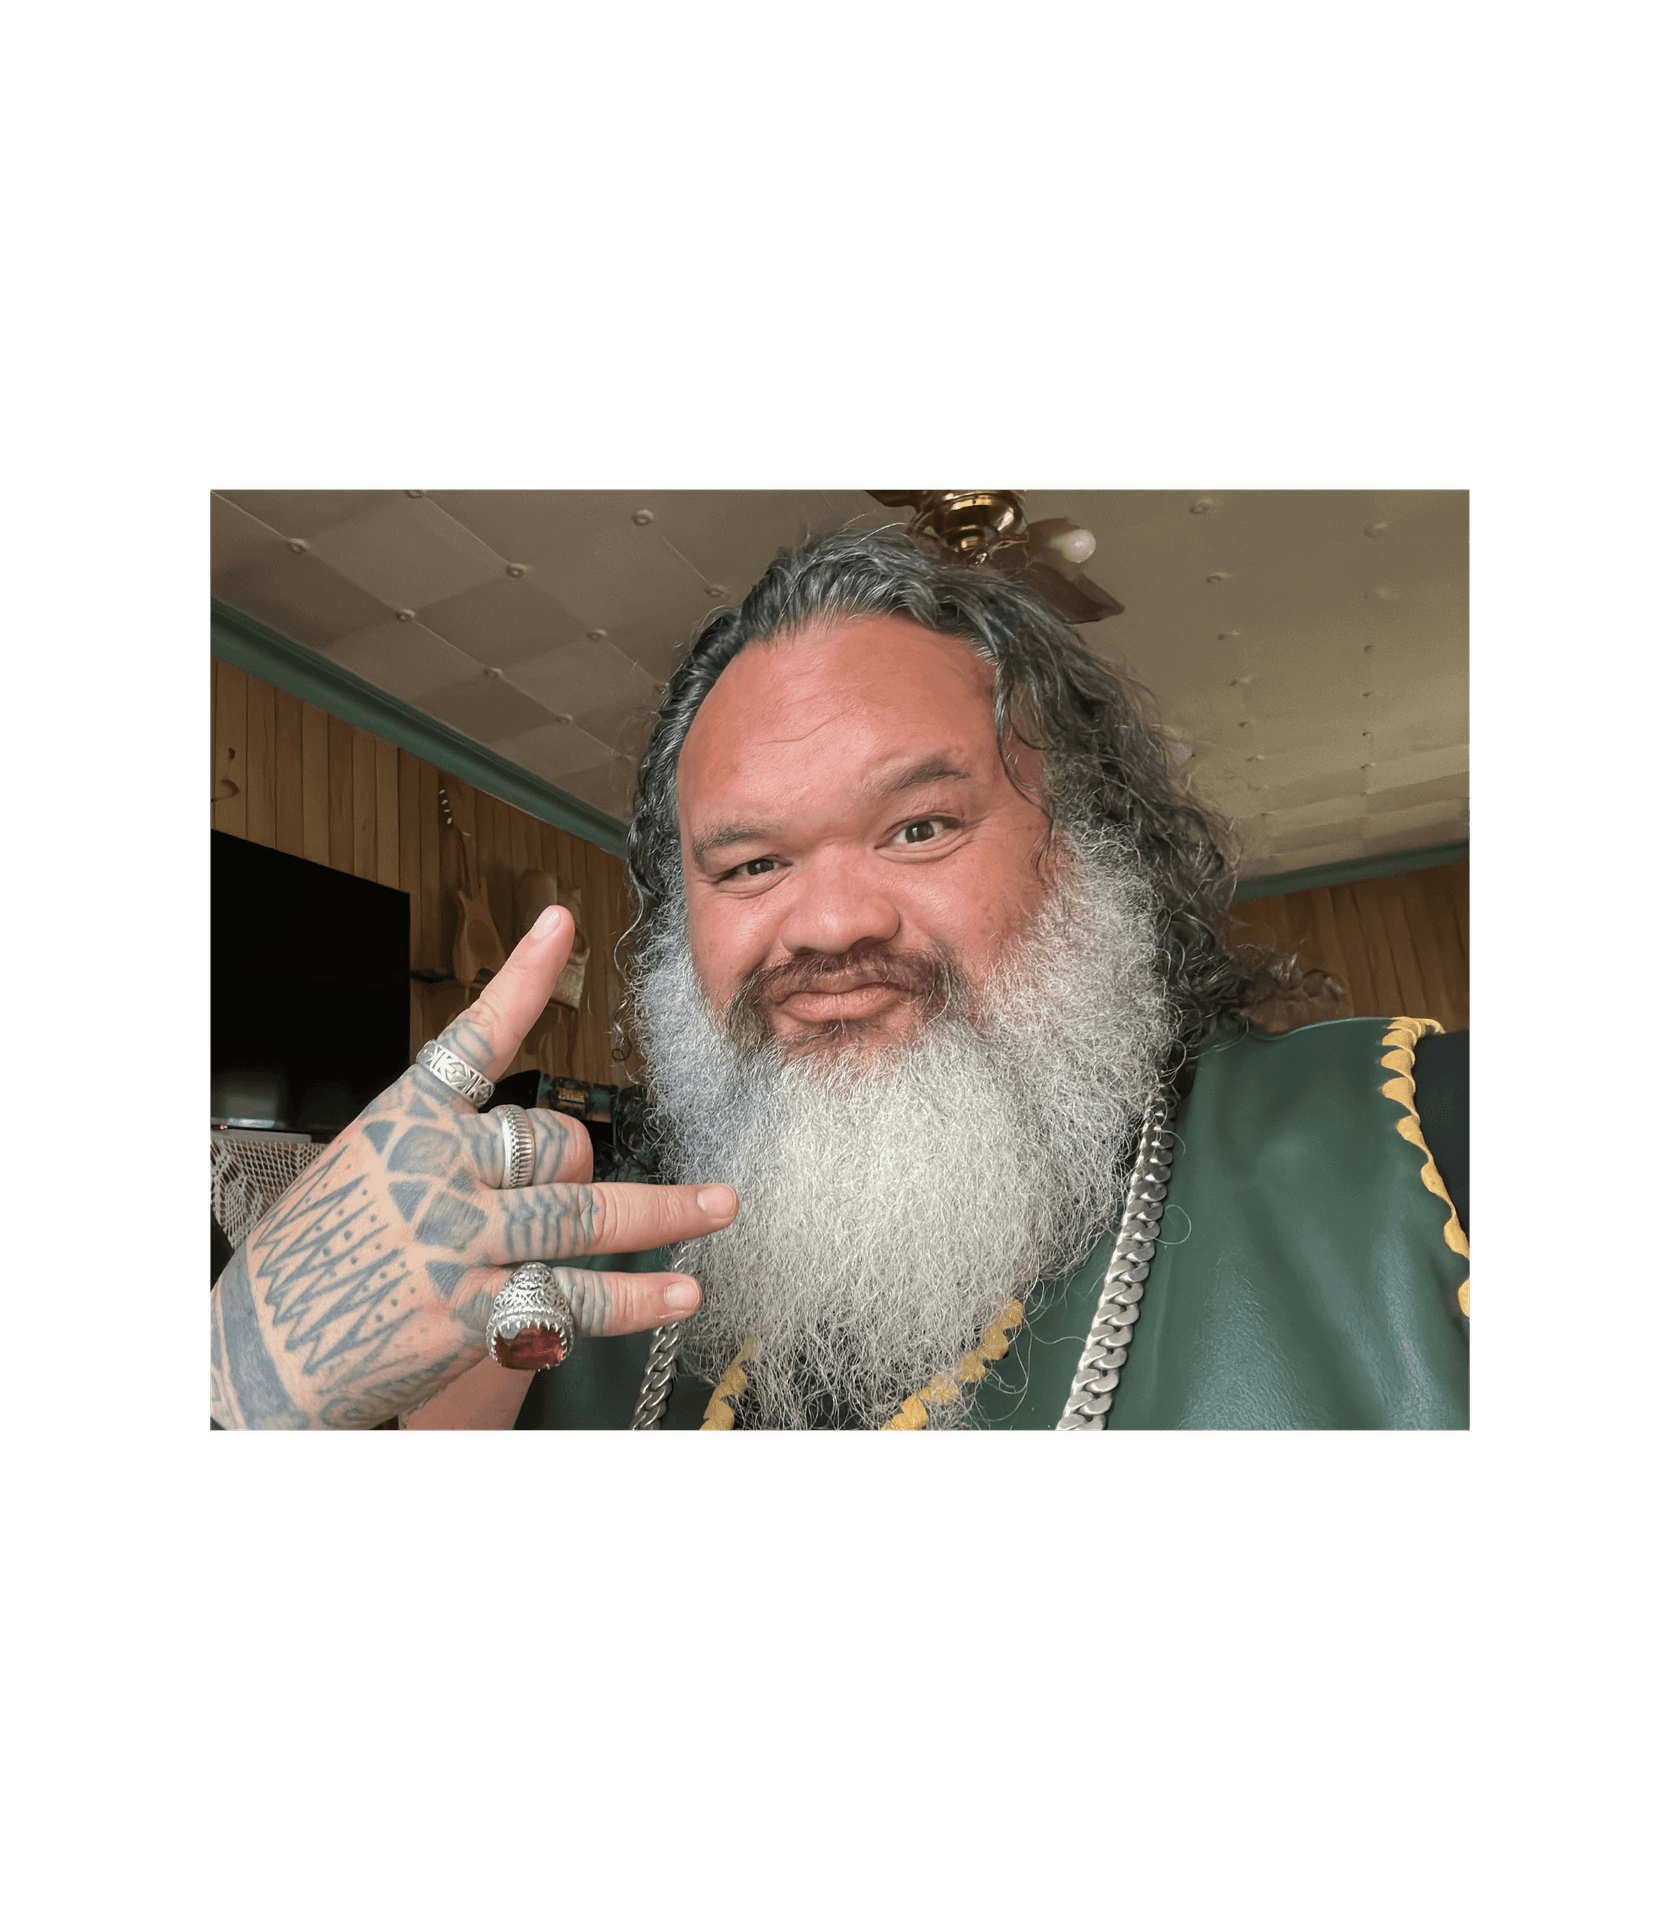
855 1002
820 979
827 990
840 987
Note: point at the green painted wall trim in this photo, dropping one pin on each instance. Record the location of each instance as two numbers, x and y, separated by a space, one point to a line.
246 643
1339 872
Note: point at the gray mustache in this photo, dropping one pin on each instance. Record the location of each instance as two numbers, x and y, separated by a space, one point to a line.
934 978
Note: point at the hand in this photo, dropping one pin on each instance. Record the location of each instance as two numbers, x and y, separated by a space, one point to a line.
367 1287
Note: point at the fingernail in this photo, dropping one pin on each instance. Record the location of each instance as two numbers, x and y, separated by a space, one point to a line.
545 923
681 1295
715 1199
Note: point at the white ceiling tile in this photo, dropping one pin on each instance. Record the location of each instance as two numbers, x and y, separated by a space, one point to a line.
1343 784
1454 787
1420 714
609 786
730 538
1325 694
484 709
302 597
502 621
1297 731
299 515
1408 769
626 723
855 508
657 642
408 553
553 751
588 552
581 678
1317 813
403 657
1430 826
1424 655
237 540
531 524
1429 813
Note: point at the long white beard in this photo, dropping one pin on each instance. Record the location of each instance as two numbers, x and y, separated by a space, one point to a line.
893 1201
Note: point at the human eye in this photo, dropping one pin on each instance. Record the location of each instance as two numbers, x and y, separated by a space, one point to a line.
921 833
750 869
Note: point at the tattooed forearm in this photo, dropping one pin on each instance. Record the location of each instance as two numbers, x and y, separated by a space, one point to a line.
224 1409
250 1391
376 1402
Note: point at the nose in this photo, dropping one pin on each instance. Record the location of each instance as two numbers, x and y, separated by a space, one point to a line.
835 904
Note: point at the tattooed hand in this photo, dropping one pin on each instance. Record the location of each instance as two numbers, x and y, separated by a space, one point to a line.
367 1287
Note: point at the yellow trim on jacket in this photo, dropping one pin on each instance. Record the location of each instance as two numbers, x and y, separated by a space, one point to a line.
1401 1058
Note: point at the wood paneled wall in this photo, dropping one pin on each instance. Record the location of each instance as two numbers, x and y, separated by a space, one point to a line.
290 776
1401 944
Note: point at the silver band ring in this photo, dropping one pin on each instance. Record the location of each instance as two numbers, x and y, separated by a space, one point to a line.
531 1324
519 1146
454 1072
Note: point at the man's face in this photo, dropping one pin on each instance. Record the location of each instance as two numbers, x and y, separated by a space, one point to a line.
848 829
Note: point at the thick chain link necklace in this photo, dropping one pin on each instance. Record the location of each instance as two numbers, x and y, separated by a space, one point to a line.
1097 1377
1095 1380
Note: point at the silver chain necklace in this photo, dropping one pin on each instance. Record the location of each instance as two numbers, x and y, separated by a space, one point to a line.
656 1381
1097 1377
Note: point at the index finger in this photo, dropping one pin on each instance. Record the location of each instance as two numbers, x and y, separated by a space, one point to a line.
488 1034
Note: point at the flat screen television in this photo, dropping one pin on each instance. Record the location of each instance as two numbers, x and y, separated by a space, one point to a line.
308 990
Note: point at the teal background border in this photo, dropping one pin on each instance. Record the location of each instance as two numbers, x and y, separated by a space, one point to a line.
1177 1675
1340 872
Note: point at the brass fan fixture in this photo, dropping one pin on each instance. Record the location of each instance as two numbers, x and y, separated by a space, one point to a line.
989 528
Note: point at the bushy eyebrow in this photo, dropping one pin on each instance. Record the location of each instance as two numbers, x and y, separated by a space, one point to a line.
924 773
730 836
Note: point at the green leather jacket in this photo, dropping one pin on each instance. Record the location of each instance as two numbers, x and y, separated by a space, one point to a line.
1307 1273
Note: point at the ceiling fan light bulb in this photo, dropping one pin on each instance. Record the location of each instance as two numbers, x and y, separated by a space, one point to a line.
1077 544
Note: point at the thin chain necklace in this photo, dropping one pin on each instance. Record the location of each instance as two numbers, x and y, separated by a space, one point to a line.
1095 1380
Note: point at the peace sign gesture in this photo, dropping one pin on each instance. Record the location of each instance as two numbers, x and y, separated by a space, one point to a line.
367 1287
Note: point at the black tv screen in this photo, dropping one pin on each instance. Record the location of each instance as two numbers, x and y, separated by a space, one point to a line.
308 990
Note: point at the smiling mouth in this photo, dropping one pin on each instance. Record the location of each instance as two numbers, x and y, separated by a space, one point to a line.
827 994
825 1005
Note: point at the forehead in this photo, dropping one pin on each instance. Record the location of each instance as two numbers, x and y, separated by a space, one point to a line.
827 708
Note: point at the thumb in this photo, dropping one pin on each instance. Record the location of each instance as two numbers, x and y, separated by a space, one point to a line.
488 1034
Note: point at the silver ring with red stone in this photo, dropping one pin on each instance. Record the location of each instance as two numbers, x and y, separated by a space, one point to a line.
531 1323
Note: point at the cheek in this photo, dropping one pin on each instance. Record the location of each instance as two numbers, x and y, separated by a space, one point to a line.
979 913
717 949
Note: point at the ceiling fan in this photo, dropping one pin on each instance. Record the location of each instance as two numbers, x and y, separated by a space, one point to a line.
990 529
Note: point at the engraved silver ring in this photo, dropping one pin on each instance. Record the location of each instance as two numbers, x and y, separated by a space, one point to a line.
531 1324
454 1072
519 1146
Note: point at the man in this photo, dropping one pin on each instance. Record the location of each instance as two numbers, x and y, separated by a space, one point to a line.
926 961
